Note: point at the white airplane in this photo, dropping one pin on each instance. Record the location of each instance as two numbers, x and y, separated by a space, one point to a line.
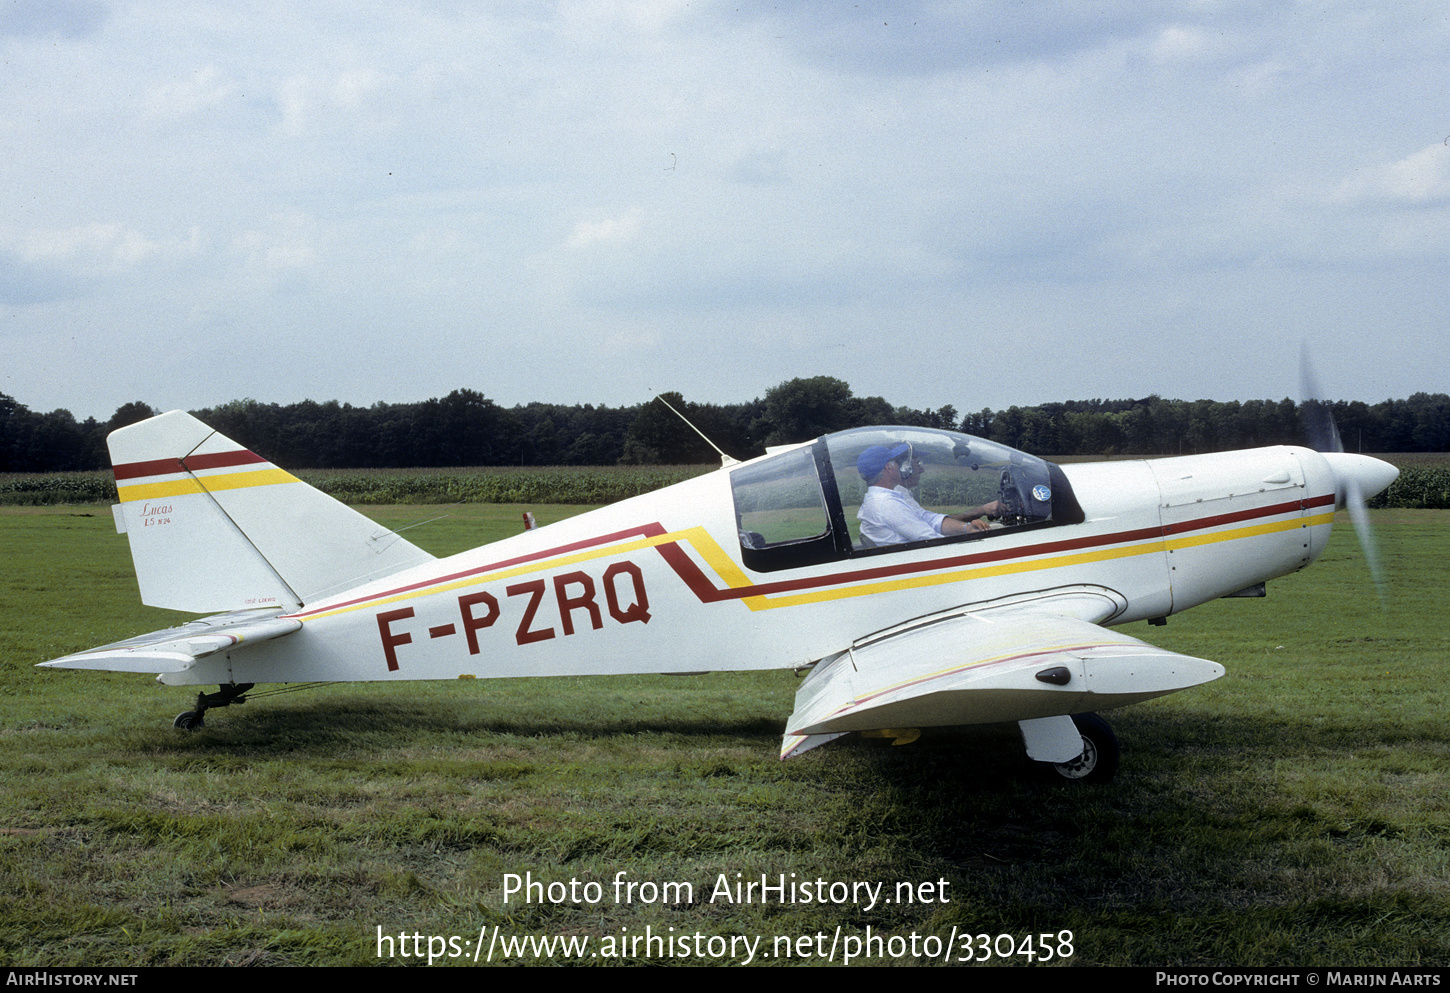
759 565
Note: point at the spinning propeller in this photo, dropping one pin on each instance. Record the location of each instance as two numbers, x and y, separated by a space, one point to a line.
1354 475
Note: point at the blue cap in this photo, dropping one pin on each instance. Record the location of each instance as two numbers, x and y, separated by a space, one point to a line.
870 462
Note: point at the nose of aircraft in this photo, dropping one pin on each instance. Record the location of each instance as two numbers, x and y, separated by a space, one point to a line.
1359 472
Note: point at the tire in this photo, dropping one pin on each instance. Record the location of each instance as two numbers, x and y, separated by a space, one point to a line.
188 720
1099 760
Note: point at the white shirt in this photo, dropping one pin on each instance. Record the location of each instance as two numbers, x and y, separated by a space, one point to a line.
892 517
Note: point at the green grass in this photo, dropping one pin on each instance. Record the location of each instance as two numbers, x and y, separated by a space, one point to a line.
1296 811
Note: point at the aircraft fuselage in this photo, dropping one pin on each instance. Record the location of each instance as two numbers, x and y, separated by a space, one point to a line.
659 583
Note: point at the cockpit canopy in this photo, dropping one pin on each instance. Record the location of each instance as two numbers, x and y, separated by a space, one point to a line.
799 507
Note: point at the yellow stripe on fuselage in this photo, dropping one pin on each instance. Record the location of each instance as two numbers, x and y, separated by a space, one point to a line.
1258 529
693 535
1034 565
727 571
956 576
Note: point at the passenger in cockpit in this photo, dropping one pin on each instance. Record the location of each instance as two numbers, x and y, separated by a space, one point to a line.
889 513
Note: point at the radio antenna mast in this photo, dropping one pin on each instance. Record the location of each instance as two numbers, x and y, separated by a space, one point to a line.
725 460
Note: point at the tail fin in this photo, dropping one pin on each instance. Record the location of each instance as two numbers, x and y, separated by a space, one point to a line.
214 527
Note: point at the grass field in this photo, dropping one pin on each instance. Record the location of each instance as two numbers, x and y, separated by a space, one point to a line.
1296 811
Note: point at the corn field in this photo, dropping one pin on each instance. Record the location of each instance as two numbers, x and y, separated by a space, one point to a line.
548 484
1424 483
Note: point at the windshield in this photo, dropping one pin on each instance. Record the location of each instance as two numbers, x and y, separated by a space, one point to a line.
863 491
934 475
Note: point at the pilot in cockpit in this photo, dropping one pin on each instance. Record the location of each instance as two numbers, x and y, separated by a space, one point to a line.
889 513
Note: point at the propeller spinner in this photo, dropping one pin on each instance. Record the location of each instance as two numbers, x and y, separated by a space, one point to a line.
1356 477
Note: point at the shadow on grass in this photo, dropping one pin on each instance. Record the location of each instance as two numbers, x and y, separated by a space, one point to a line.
321 726
1154 741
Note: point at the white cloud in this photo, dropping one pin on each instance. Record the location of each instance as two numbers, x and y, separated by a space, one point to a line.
82 247
609 231
283 248
330 101
198 90
1177 43
1422 177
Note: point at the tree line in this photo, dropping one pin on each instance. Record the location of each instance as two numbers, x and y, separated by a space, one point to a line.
465 428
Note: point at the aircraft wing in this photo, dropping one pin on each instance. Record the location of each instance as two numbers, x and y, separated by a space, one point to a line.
178 649
1038 657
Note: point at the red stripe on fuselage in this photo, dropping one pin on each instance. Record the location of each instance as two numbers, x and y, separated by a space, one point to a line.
646 531
1245 515
707 592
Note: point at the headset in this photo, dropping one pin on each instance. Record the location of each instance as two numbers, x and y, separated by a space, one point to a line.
907 463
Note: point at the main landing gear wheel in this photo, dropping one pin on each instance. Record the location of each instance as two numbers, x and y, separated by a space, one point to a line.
1098 762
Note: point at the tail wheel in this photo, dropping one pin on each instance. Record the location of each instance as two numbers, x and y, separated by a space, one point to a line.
1098 762
188 720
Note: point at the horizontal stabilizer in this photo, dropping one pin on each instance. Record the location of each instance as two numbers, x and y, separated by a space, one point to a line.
178 649
1017 662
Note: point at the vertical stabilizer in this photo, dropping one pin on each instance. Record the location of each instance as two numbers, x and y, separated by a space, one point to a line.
215 527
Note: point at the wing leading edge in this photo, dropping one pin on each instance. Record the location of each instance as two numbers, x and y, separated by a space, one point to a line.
1028 661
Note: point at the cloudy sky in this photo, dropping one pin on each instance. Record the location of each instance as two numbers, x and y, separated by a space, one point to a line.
977 203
